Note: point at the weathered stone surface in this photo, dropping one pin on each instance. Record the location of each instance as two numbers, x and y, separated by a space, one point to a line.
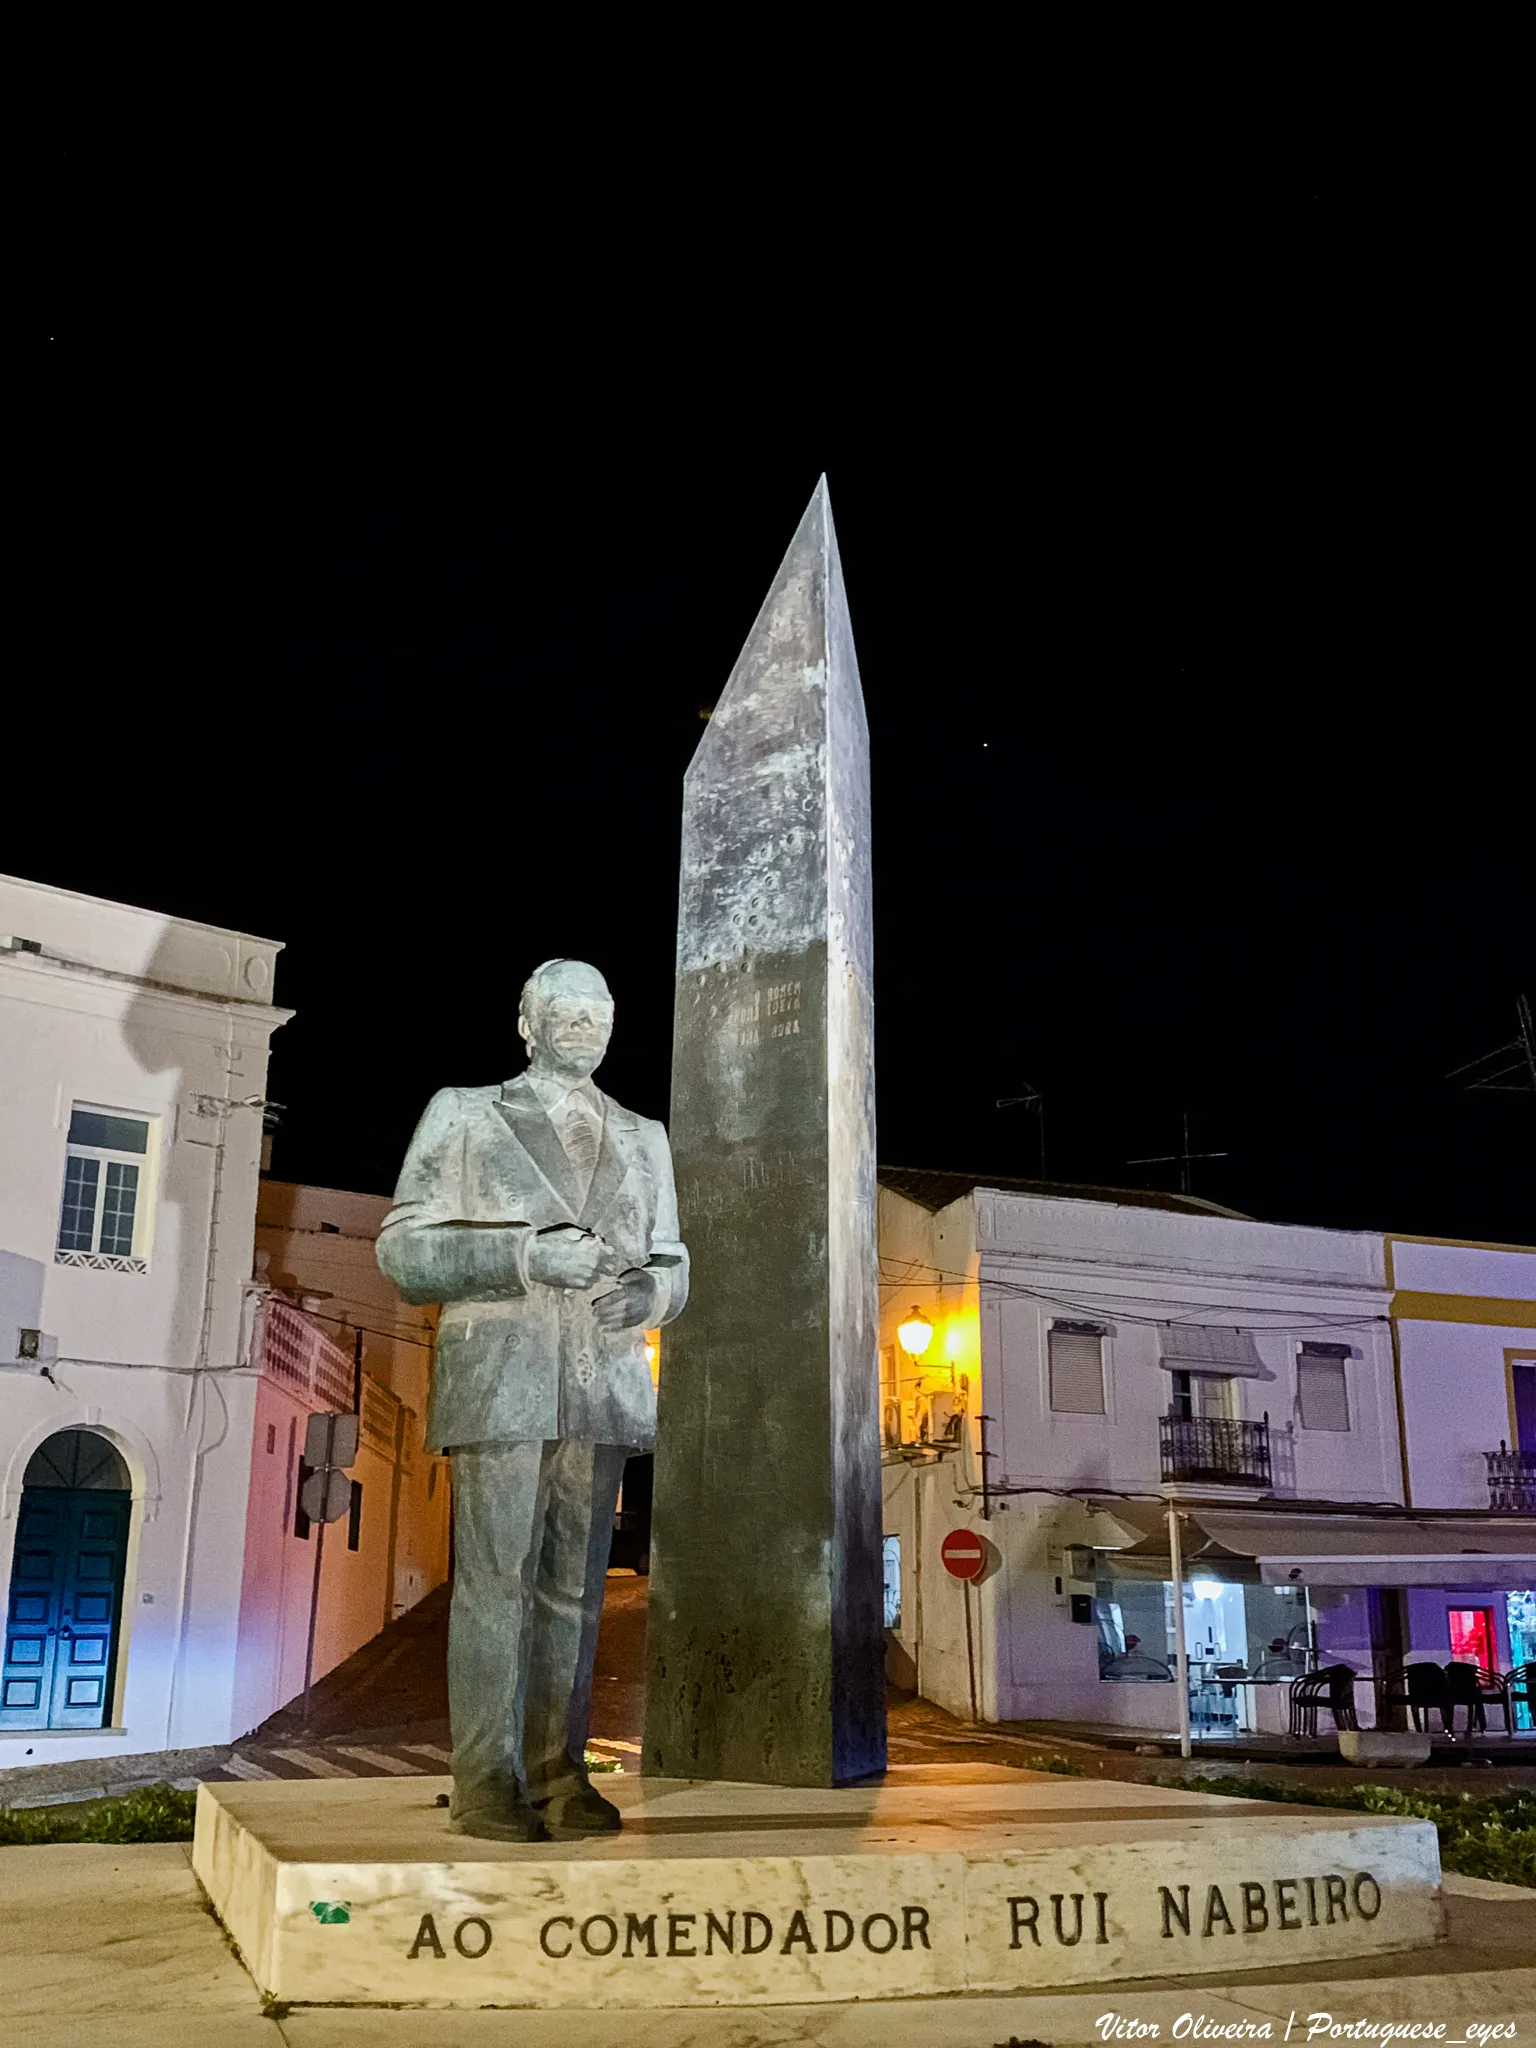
541 1215
943 1880
766 1647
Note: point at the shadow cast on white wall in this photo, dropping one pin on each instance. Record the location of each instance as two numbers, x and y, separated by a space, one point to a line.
21 1300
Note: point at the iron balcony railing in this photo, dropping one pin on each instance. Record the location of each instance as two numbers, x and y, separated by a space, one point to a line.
1511 1481
1212 1450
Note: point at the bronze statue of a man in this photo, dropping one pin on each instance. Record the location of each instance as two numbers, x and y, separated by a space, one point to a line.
542 1215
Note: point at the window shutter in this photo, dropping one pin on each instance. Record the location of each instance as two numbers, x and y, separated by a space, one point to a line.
1077 1369
1322 1386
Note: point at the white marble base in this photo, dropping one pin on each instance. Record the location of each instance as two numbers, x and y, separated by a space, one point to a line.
944 1878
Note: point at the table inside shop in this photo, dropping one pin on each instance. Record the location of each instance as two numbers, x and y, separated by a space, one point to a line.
1206 1679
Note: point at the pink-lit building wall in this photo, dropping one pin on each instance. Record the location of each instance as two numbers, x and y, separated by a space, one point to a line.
402 1535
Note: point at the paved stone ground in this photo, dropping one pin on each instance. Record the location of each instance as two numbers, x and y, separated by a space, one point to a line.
111 1944
98 1940
384 1713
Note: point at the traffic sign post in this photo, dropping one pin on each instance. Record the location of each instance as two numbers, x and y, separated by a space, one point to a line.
964 1556
330 1449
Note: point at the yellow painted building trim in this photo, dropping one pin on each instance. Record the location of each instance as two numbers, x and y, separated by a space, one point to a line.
1502 1313
1402 1416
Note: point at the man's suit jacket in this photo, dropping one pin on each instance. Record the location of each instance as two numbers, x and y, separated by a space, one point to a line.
516 1360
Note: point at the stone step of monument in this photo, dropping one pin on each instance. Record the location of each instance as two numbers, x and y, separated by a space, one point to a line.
296 1761
380 1760
240 1767
253 1762
945 1880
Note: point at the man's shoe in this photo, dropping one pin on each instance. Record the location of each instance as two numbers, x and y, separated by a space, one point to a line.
502 1826
574 1815
495 1813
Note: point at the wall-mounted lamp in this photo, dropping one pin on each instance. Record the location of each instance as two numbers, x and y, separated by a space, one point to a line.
915 1334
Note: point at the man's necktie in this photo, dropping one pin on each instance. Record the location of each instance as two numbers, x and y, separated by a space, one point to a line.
580 1136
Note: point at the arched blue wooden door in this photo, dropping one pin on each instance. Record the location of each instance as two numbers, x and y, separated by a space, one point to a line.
64 1604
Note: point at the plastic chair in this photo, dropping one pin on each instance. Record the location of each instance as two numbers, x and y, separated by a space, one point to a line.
1461 1690
1473 1687
1298 1642
1391 1691
1333 1686
1136 1664
1520 1689
1306 1696
1494 1689
1341 1695
1425 1691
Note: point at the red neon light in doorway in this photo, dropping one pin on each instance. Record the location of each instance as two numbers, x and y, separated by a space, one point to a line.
1472 1638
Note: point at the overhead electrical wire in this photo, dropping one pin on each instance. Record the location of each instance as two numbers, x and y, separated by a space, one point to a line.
1224 1315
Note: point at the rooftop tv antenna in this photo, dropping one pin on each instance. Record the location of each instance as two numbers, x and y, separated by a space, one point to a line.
1184 1156
1030 1099
1509 1069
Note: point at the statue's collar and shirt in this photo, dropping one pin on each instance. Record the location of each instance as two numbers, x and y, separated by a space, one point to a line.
585 1148
576 1111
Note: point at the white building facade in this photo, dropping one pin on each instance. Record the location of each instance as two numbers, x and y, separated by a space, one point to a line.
1464 1319
133 1061
159 1374
1318 1405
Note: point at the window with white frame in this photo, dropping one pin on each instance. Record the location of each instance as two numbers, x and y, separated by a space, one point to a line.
1076 1362
1200 1396
104 1216
1322 1391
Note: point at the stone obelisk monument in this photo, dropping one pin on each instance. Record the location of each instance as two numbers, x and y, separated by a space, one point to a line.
766 1647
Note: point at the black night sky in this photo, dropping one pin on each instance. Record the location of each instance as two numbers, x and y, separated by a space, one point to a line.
1179 545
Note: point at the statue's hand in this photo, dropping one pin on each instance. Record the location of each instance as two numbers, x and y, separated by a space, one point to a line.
567 1258
627 1307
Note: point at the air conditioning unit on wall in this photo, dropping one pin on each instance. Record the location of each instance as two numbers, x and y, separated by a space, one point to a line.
941 1418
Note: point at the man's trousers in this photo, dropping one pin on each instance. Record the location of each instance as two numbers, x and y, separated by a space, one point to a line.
532 1527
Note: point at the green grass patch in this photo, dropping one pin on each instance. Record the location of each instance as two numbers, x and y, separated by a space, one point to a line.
1481 1835
1058 1766
155 1813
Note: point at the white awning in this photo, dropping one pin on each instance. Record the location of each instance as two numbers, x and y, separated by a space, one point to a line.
1282 1549
1204 1347
1343 1550
1142 1551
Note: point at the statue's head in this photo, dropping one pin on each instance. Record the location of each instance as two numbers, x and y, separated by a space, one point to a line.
565 1016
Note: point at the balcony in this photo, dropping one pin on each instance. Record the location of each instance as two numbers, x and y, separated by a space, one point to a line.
290 1349
1210 1450
1511 1481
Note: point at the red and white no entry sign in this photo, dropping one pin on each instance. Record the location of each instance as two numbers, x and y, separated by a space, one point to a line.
964 1554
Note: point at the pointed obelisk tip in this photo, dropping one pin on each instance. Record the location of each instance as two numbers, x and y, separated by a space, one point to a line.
817 517
819 504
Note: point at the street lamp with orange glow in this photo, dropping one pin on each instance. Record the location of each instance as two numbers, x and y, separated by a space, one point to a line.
914 1333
